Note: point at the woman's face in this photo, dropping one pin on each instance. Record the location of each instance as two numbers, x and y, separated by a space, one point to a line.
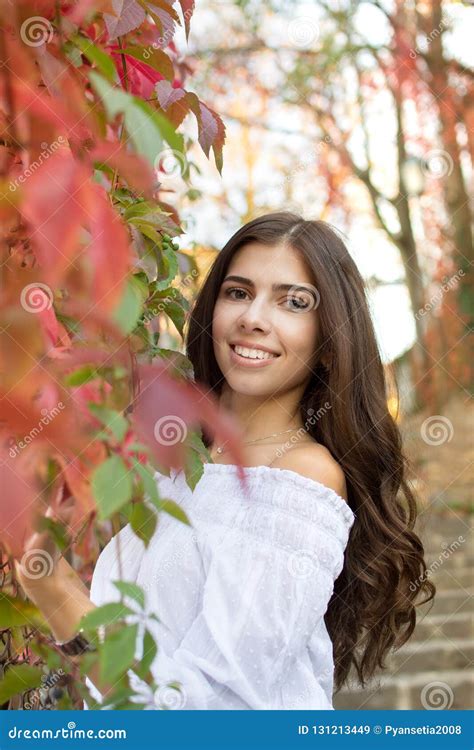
253 311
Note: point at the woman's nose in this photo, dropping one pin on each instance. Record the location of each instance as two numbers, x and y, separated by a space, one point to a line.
256 315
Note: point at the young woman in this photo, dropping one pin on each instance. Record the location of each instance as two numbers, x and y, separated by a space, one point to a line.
276 591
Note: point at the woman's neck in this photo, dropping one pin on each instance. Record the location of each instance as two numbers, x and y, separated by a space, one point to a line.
260 417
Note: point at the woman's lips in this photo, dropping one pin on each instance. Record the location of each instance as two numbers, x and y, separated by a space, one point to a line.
247 362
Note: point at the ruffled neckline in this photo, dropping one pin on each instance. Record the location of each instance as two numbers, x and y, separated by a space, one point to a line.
297 480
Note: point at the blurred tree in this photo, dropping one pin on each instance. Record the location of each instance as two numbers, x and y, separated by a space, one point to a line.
392 108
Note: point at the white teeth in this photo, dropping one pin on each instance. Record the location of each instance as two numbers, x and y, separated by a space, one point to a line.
253 353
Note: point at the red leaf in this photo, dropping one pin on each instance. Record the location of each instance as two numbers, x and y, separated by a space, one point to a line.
187 6
58 341
211 132
176 102
129 16
166 409
168 94
93 391
140 77
60 200
20 490
134 169
110 253
52 200
77 472
51 68
82 8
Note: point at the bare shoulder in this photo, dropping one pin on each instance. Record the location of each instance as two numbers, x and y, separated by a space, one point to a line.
314 461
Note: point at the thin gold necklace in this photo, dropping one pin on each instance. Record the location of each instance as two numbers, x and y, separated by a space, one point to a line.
220 449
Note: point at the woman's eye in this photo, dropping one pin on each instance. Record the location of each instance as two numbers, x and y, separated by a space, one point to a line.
229 292
294 302
297 303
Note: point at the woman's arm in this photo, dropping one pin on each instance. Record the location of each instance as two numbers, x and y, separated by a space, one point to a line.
69 575
63 600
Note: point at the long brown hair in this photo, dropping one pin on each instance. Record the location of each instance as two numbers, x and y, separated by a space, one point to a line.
372 608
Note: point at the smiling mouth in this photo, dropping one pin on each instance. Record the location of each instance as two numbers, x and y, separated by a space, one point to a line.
252 354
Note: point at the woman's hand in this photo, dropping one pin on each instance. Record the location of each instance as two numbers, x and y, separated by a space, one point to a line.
54 586
39 567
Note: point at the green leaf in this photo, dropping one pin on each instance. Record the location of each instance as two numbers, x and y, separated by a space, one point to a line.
112 486
117 653
194 468
175 306
112 419
180 362
118 699
143 521
173 509
146 128
149 653
104 615
73 54
131 589
148 480
15 612
168 506
56 529
81 375
17 679
130 308
147 212
167 268
96 56
147 229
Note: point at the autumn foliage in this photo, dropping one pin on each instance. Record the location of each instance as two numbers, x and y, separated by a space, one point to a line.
92 93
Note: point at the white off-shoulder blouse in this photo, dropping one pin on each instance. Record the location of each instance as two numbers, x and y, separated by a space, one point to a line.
240 594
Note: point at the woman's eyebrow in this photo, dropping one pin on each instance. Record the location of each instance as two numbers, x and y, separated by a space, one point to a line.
275 287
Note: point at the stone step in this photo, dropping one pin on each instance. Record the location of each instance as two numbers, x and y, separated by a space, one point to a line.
437 653
461 578
460 625
453 689
449 602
